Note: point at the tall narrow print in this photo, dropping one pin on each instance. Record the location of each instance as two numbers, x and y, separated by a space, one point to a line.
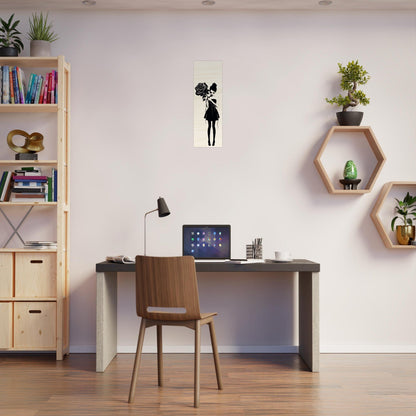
208 104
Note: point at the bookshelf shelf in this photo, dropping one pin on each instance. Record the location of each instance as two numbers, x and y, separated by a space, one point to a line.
52 163
34 284
28 108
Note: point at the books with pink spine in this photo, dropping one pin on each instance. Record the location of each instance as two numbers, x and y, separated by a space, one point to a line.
45 90
30 178
53 87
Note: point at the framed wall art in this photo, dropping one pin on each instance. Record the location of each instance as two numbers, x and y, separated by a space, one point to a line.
208 104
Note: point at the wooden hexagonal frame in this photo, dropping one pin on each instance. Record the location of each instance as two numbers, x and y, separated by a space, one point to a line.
375 215
375 147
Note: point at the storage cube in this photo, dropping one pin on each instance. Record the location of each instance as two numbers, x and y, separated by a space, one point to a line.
35 325
6 325
35 274
6 275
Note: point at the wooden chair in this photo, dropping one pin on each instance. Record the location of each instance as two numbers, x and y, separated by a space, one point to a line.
164 283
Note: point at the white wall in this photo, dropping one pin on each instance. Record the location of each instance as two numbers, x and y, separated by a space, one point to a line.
132 140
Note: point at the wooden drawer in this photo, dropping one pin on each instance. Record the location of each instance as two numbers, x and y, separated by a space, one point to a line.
35 274
35 325
6 275
6 325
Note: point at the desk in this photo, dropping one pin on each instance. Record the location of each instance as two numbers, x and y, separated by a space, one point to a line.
307 271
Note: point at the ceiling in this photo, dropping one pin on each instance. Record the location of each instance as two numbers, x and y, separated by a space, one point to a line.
220 5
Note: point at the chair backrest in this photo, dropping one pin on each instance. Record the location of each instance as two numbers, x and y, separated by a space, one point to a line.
167 282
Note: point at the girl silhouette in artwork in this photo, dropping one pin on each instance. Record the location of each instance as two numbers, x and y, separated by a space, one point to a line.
211 113
211 110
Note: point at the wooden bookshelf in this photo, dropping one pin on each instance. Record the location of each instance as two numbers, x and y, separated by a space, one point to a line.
34 284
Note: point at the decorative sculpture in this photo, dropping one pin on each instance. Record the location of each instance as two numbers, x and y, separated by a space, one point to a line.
350 180
33 144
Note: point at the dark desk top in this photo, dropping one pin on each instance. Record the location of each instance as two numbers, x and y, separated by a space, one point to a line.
297 265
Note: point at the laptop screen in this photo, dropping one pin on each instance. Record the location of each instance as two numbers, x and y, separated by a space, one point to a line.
207 241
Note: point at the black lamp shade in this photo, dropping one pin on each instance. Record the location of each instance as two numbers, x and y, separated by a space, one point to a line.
162 207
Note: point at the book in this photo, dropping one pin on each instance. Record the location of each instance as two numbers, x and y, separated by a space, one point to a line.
38 89
21 81
28 189
49 198
120 259
5 95
55 184
11 87
50 88
29 88
45 90
30 178
2 180
7 187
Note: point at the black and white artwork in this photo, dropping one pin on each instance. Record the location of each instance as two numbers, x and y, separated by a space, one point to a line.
208 104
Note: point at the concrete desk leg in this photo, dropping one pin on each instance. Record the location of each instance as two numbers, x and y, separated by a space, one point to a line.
309 319
106 337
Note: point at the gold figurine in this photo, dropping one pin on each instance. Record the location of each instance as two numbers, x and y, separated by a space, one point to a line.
33 142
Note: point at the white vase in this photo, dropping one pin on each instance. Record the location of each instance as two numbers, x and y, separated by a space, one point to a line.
40 48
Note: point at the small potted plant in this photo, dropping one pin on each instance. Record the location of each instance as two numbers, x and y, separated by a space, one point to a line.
352 75
41 35
406 210
10 42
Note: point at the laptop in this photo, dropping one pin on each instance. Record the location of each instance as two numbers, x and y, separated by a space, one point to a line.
207 242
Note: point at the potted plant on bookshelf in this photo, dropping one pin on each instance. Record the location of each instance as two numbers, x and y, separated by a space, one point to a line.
406 210
41 35
10 42
352 75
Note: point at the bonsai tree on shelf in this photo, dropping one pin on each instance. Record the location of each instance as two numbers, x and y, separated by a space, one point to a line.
41 35
407 213
353 75
10 42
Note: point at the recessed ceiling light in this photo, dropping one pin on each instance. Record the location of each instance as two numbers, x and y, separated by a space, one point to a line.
208 2
325 2
88 2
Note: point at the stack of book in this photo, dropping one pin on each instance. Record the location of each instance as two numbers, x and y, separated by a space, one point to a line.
27 184
40 89
40 245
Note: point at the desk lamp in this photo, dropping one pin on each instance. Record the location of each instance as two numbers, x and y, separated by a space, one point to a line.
163 211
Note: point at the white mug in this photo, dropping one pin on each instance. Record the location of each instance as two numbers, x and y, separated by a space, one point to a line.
282 255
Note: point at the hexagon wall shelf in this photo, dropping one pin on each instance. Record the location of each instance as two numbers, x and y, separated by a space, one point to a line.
375 214
375 148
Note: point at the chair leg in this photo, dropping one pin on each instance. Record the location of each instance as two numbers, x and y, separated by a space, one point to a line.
137 361
159 355
215 353
197 362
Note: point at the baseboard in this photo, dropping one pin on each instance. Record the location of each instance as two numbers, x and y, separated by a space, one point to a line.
228 349
368 349
260 349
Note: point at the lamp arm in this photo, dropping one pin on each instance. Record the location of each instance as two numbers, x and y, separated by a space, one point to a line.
145 215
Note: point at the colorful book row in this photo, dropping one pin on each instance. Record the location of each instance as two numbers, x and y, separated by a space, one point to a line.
40 89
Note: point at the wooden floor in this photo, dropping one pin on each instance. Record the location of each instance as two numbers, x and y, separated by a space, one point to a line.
254 384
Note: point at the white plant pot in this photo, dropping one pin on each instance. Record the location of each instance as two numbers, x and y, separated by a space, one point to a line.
40 48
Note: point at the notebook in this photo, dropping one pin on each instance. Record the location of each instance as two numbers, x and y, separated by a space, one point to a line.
207 242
